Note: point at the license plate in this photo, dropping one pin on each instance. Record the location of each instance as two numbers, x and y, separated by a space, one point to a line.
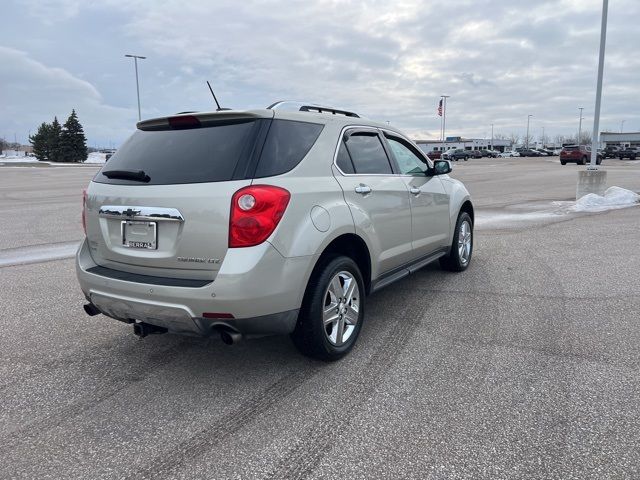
137 234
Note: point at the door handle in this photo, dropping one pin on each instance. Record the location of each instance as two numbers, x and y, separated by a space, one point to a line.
363 189
416 191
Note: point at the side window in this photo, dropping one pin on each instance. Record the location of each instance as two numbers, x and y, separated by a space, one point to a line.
344 160
287 144
408 161
367 154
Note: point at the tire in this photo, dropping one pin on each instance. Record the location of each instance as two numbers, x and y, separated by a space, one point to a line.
562 162
598 161
466 158
632 157
582 161
313 336
621 158
460 253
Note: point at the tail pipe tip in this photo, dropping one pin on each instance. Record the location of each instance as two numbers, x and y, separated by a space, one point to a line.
230 337
90 309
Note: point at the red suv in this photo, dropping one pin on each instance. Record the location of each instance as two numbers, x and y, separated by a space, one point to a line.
578 154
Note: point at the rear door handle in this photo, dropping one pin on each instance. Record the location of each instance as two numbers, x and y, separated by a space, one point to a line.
416 191
363 189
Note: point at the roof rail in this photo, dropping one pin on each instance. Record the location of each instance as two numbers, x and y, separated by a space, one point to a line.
311 107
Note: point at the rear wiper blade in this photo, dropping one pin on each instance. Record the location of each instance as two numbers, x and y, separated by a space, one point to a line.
137 175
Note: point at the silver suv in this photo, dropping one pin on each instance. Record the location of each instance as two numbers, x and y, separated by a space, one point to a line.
245 223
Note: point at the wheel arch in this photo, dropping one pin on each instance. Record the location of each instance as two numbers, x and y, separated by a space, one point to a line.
352 246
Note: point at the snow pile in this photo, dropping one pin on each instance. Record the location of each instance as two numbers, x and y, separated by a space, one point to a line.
614 197
96 157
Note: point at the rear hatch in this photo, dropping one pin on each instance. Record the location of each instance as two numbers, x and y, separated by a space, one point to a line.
161 205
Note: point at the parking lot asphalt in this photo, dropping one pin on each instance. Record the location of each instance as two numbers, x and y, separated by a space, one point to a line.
524 366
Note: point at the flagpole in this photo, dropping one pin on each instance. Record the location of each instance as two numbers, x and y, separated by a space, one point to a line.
444 118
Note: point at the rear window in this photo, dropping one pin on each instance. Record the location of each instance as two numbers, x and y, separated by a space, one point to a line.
209 154
571 149
288 142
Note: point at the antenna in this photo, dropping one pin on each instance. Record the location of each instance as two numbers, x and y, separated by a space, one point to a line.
214 97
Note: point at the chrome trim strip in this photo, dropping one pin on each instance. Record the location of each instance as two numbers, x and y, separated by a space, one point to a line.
153 214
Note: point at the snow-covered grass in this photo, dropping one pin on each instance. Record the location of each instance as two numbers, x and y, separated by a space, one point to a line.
614 197
94 157
17 159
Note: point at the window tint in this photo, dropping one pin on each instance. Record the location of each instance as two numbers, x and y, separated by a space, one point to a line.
408 162
196 155
367 154
287 144
344 160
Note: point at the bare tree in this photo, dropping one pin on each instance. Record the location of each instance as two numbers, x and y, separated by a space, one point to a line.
514 137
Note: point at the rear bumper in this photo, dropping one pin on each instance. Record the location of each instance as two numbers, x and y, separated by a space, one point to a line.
260 288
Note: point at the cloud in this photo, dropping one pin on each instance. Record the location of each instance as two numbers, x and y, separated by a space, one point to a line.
33 92
500 60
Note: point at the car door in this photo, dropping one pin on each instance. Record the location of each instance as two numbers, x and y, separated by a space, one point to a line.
377 197
429 200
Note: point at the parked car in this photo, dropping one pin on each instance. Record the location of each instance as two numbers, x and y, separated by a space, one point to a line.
240 223
611 151
434 154
511 153
630 152
457 154
529 152
545 151
489 153
475 153
577 154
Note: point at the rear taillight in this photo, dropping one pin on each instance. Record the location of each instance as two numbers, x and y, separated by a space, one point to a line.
255 213
84 210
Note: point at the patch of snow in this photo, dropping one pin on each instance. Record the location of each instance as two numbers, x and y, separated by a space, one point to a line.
549 212
17 159
96 157
614 197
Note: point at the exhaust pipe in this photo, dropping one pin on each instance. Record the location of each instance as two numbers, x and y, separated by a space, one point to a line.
91 310
143 329
229 337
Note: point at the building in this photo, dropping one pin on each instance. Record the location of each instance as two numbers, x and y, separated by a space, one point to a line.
464 143
627 139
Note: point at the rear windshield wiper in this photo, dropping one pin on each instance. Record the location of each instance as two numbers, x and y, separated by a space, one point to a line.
137 175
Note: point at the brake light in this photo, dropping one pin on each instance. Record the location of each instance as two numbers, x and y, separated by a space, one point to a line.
84 210
184 121
256 211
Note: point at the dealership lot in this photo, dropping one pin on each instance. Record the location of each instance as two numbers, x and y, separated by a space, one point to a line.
525 366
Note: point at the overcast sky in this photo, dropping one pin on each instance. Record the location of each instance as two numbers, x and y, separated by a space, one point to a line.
388 60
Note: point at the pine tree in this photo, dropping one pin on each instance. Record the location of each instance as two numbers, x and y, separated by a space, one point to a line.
53 140
73 144
40 142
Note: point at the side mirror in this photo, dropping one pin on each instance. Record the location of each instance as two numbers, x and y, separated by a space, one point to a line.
442 167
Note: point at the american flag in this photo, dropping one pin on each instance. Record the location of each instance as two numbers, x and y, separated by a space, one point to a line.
440 108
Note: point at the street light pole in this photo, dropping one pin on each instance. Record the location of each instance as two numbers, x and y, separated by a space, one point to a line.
596 113
135 61
580 127
527 138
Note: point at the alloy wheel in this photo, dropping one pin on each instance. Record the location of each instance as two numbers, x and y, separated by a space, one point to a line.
341 308
464 242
